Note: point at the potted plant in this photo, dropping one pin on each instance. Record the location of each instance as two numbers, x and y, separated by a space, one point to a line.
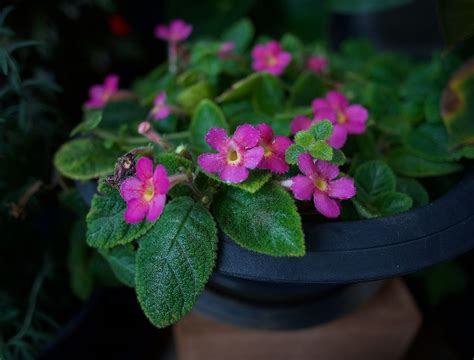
264 146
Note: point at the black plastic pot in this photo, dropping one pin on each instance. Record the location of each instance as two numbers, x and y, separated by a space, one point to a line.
342 261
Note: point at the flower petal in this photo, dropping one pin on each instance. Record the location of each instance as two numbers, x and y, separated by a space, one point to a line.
274 163
357 117
234 174
252 157
144 168
162 113
162 32
280 144
326 169
266 132
217 138
338 137
306 164
132 188
156 207
246 135
300 123
302 187
319 104
336 100
325 114
326 206
212 163
136 211
160 99
111 83
161 182
342 188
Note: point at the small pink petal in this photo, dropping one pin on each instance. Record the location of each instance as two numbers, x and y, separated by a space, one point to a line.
275 164
136 211
96 91
160 99
325 114
162 113
144 168
306 164
132 188
266 132
300 123
326 206
284 58
179 30
217 138
94 104
234 174
302 187
156 207
252 157
342 188
246 135
357 116
280 145
111 83
319 104
326 169
161 182
338 137
213 163
162 32
336 100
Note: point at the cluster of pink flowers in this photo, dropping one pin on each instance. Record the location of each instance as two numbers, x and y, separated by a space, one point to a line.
100 94
318 182
270 57
347 119
177 31
249 148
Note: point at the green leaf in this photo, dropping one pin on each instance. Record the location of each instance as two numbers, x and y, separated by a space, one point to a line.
106 226
384 205
322 130
126 114
92 119
240 33
268 94
304 138
338 157
207 115
175 260
407 164
241 88
414 189
350 7
254 182
122 262
374 178
306 88
429 141
190 97
84 159
321 150
173 162
266 221
292 153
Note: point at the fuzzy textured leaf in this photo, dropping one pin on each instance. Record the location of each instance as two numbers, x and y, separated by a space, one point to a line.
122 261
175 260
207 115
266 221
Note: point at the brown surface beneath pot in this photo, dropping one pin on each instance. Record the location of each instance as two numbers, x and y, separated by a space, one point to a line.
383 328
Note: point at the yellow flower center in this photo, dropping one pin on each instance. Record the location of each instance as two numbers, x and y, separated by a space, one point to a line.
149 192
233 156
321 184
341 117
271 60
268 150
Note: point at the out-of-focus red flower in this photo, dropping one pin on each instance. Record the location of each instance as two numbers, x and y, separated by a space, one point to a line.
118 25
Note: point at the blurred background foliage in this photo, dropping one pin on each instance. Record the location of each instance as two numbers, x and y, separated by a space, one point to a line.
51 51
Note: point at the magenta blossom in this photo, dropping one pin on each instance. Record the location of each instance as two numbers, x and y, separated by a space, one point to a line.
226 49
145 194
99 95
319 182
317 64
160 110
274 150
270 57
235 155
175 32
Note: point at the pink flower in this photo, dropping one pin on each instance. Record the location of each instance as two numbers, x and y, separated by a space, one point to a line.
99 95
235 155
145 194
346 119
274 150
225 50
160 110
317 64
270 57
177 31
319 182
